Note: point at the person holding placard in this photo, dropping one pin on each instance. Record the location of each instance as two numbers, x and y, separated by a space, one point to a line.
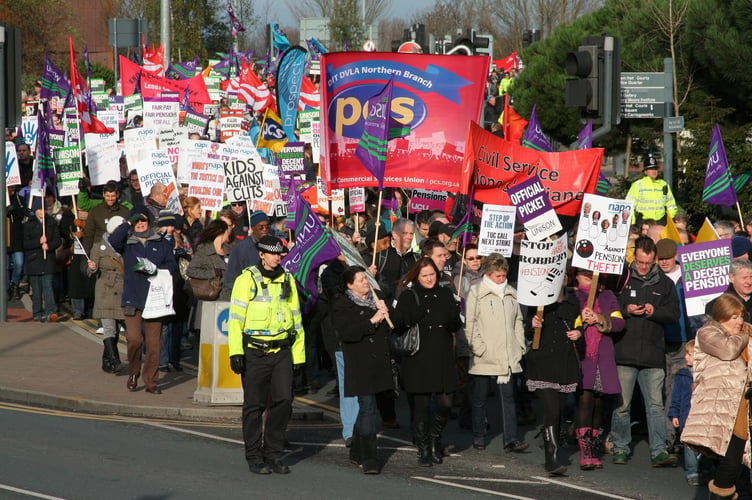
599 373
553 370
496 335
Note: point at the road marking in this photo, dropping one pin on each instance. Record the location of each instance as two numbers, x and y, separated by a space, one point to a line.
28 492
580 488
194 433
491 480
472 488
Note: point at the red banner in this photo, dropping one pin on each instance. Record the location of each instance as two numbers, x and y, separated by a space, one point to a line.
153 85
498 164
436 96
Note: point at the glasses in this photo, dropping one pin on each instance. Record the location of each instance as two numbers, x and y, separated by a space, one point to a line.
238 203
470 259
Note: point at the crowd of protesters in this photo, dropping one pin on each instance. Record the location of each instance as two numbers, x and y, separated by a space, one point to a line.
474 337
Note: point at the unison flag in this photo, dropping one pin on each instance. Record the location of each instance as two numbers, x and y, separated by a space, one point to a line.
234 21
313 247
315 47
289 76
54 83
280 41
741 180
585 137
44 163
534 137
371 150
719 187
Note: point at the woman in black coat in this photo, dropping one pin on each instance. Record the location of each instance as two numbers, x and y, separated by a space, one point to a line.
358 317
41 265
553 370
432 370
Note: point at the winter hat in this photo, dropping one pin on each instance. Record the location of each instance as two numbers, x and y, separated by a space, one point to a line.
114 223
141 209
166 218
271 244
258 216
740 245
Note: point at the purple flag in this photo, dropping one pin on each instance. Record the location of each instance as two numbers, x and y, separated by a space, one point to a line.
534 137
719 186
585 137
371 150
234 21
313 246
54 83
44 163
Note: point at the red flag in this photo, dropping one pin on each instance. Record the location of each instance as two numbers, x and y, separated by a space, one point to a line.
89 122
153 60
309 95
252 91
513 124
507 63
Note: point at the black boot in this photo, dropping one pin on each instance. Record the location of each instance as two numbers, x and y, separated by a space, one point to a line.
551 450
437 447
12 291
355 448
368 453
425 458
110 357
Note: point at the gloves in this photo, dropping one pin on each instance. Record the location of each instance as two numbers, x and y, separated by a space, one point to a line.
137 218
237 363
145 266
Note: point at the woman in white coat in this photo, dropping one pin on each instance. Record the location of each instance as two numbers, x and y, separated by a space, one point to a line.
496 336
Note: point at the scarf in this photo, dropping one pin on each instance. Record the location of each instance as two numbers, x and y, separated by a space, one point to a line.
592 335
359 301
495 289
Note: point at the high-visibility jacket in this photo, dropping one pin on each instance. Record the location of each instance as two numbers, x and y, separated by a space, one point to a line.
265 310
652 198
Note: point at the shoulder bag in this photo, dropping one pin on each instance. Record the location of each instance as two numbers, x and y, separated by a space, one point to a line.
408 343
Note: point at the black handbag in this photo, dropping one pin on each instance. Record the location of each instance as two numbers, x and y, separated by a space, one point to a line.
408 343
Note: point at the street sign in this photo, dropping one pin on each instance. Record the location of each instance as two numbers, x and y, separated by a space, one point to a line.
410 48
643 95
673 124
642 110
369 46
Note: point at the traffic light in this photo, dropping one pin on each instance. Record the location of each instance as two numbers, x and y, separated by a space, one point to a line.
596 68
583 92
11 47
483 44
530 36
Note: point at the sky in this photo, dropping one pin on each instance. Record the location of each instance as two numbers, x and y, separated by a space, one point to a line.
401 9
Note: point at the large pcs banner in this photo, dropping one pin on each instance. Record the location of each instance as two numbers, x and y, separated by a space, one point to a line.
495 164
436 96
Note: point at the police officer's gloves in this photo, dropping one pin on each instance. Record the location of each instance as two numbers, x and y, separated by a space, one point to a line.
237 363
145 266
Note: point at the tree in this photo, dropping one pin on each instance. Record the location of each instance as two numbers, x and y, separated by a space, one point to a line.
45 26
345 28
374 9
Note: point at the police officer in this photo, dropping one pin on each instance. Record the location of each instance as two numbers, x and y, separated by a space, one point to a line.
651 196
265 339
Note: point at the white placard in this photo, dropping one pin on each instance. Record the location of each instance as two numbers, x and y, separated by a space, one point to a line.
496 230
602 234
158 169
541 271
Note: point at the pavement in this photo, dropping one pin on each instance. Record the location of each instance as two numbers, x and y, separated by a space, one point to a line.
59 365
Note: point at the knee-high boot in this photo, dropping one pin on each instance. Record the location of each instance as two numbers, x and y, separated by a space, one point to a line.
586 452
110 356
421 441
437 446
551 451
593 441
370 460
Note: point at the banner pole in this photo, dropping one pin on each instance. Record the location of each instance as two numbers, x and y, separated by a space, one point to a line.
593 290
378 223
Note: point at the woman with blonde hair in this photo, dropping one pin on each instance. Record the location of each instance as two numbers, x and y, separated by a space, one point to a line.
717 424
192 227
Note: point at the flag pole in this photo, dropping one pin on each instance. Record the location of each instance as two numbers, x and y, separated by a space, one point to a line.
739 211
378 223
